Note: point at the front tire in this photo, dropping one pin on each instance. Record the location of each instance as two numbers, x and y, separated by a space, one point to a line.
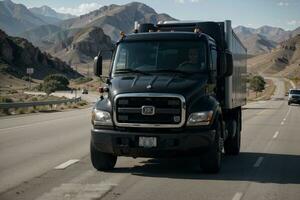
233 144
102 161
211 160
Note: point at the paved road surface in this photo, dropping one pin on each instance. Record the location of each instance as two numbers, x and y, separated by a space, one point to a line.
90 97
267 168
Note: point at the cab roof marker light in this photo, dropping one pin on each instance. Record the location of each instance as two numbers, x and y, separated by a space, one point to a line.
122 34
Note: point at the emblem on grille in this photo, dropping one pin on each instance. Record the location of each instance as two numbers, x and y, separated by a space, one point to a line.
149 86
148 110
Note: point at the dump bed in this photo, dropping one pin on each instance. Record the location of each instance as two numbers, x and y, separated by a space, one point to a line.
235 85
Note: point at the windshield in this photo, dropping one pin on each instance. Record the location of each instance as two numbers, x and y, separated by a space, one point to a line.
161 56
295 92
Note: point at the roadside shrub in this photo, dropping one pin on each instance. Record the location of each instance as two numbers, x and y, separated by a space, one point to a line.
25 78
39 87
5 99
82 103
21 110
54 82
257 84
63 80
34 99
51 86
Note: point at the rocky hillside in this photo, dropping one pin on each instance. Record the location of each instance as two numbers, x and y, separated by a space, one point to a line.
80 45
15 18
17 54
78 40
284 60
112 19
49 12
263 39
258 44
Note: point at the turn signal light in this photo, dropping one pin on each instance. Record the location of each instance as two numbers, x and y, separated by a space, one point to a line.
101 90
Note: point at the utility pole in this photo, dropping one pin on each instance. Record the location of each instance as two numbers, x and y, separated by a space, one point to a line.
29 71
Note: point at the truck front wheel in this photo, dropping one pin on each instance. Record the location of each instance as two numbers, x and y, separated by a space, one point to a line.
211 160
102 161
232 144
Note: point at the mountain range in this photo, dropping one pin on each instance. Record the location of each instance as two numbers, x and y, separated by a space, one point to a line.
49 12
61 39
283 60
17 54
17 18
77 40
263 39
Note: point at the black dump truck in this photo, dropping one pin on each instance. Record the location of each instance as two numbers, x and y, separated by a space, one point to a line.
174 89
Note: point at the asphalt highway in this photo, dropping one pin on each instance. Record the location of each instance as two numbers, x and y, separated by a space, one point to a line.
46 156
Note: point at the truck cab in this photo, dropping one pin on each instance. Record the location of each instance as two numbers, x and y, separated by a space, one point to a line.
167 95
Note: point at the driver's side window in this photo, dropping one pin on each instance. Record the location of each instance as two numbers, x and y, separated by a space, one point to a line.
122 59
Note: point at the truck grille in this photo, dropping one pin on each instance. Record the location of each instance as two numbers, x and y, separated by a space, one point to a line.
149 110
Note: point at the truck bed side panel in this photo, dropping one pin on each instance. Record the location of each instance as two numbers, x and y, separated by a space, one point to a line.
236 84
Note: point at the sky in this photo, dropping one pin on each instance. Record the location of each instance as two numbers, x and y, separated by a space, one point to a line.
250 13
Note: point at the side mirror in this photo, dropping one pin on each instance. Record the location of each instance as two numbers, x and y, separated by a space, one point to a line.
98 65
229 64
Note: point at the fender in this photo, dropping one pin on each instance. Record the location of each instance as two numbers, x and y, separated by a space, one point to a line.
103 104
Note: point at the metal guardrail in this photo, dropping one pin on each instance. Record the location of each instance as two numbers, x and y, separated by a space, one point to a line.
36 103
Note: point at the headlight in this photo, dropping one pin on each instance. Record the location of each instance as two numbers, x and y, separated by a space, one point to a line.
200 118
100 117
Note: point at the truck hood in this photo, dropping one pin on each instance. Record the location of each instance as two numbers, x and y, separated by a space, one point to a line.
186 85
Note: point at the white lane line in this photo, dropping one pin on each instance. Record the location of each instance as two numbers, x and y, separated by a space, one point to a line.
276 134
66 164
258 162
288 112
260 113
237 196
41 122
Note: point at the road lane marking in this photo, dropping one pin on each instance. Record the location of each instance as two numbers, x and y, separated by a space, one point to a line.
258 162
288 112
66 164
82 190
276 134
41 122
237 196
261 112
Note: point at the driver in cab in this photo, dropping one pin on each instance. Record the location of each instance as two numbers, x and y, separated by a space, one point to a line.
194 63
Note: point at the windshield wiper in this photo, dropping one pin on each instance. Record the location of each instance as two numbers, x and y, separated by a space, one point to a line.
170 71
128 70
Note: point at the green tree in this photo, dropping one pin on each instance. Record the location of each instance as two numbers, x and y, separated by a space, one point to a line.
63 80
51 86
257 84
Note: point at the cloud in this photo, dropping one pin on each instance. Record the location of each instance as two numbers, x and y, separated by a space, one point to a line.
81 9
292 22
283 3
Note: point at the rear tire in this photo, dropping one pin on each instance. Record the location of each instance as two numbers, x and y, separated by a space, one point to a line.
289 103
102 161
232 144
211 160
